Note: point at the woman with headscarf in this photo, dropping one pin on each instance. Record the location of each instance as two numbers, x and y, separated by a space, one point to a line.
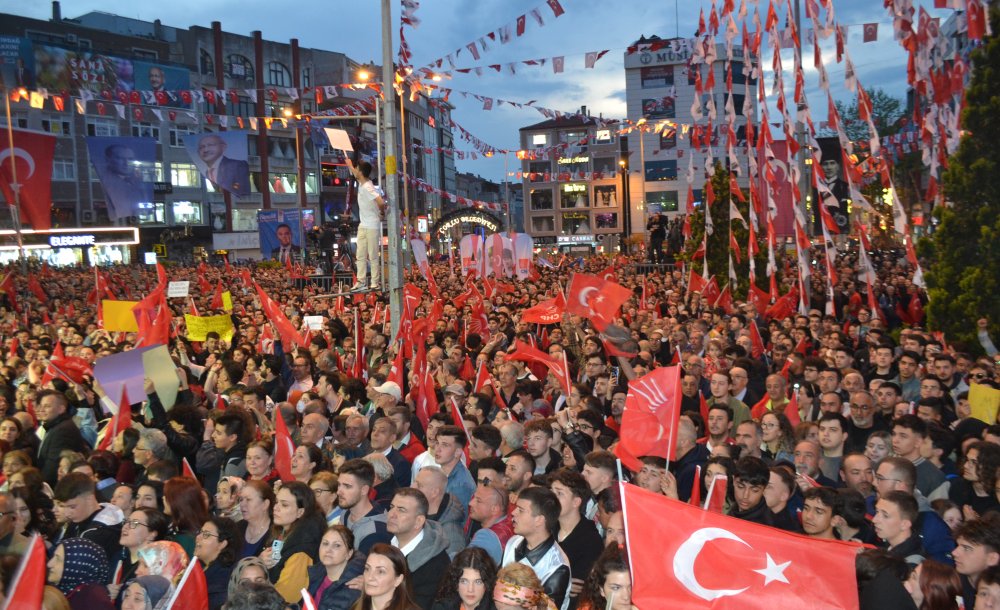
146 593
79 568
162 558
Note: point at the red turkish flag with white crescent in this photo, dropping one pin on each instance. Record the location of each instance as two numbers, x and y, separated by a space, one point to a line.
692 559
595 298
32 158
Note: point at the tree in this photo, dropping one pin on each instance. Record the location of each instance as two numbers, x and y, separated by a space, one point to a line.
886 112
718 241
963 278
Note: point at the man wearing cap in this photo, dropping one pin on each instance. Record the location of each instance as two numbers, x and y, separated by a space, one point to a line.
387 396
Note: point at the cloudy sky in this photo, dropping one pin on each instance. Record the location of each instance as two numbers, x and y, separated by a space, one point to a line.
353 27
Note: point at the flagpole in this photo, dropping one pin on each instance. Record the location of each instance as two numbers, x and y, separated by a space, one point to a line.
15 209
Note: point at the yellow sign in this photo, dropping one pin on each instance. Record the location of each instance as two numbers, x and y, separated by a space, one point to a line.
118 316
227 301
160 249
390 165
199 326
985 402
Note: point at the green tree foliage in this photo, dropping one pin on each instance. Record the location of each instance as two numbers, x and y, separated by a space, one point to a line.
886 112
964 275
718 241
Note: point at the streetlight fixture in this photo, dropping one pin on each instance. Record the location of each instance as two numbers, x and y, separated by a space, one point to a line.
15 210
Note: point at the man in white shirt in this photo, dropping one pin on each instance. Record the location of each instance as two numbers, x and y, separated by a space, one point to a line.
370 208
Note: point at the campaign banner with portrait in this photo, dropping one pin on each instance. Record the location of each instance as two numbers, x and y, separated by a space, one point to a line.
659 108
281 232
221 157
126 168
16 63
524 249
158 79
835 194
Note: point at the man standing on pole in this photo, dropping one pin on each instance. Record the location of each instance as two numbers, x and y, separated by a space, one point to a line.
370 208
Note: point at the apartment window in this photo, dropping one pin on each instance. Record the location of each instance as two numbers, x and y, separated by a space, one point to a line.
205 62
662 201
543 224
574 196
57 127
151 213
146 130
244 220
661 170
245 107
539 139
606 221
186 212
178 134
278 75
238 67
63 170
537 170
307 77
185 175
540 199
97 126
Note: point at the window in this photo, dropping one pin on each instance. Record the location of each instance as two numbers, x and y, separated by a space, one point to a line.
540 199
63 170
659 107
151 213
537 170
245 107
576 223
539 139
658 76
157 175
238 67
605 165
275 109
186 213
661 170
662 201
57 127
602 135
574 196
244 220
177 135
543 224
185 175
278 75
205 62
606 196
97 126
606 221
307 80
146 130
668 137
144 54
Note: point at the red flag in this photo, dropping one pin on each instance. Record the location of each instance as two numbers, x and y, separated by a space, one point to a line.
547 312
32 156
558 366
192 591
716 500
456 418
467 372
28 584
871 32
186 469
702 406
308 603
760 409
217 297
649 422
37 290
283 448
696 283
695 499
756 341
916 309
711 292
396 371
725 300
699 559
792 409
482 376
122 420
220 403
602 307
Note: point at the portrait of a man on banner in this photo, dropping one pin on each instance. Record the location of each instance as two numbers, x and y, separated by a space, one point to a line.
125 167
222 159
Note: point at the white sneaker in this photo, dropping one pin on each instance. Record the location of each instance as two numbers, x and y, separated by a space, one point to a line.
375 287
357 286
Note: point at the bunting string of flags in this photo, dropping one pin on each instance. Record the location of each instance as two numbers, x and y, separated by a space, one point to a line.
558 63
425 187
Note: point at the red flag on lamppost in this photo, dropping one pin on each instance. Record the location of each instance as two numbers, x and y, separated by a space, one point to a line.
694 559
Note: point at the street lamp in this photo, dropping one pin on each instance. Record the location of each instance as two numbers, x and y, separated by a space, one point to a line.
642 166
15 210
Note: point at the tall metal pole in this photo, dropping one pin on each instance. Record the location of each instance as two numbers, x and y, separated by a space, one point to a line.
506 192
15 210
800 136
395 275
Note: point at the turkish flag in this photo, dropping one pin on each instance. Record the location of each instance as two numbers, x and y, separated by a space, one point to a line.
217 297
711 291
32 159
601 307
696 283
916 309
121 420
558 366
547 312
756 341
186 470
695 559
725 300
283 448
26 588
192 591
396 372
871 32
649 422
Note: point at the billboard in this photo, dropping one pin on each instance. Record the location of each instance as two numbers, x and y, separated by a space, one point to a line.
221 157
282 232
16 62
127 170
659 107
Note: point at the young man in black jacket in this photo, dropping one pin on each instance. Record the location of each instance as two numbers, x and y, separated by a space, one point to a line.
76 494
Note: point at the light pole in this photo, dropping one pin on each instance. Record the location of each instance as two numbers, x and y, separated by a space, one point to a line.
15 210
395 275
642 167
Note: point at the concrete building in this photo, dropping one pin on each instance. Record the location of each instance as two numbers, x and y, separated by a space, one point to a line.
100 63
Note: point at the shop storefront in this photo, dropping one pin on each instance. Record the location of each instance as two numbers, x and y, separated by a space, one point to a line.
61 247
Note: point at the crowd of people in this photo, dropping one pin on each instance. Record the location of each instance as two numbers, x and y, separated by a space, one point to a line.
847 425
